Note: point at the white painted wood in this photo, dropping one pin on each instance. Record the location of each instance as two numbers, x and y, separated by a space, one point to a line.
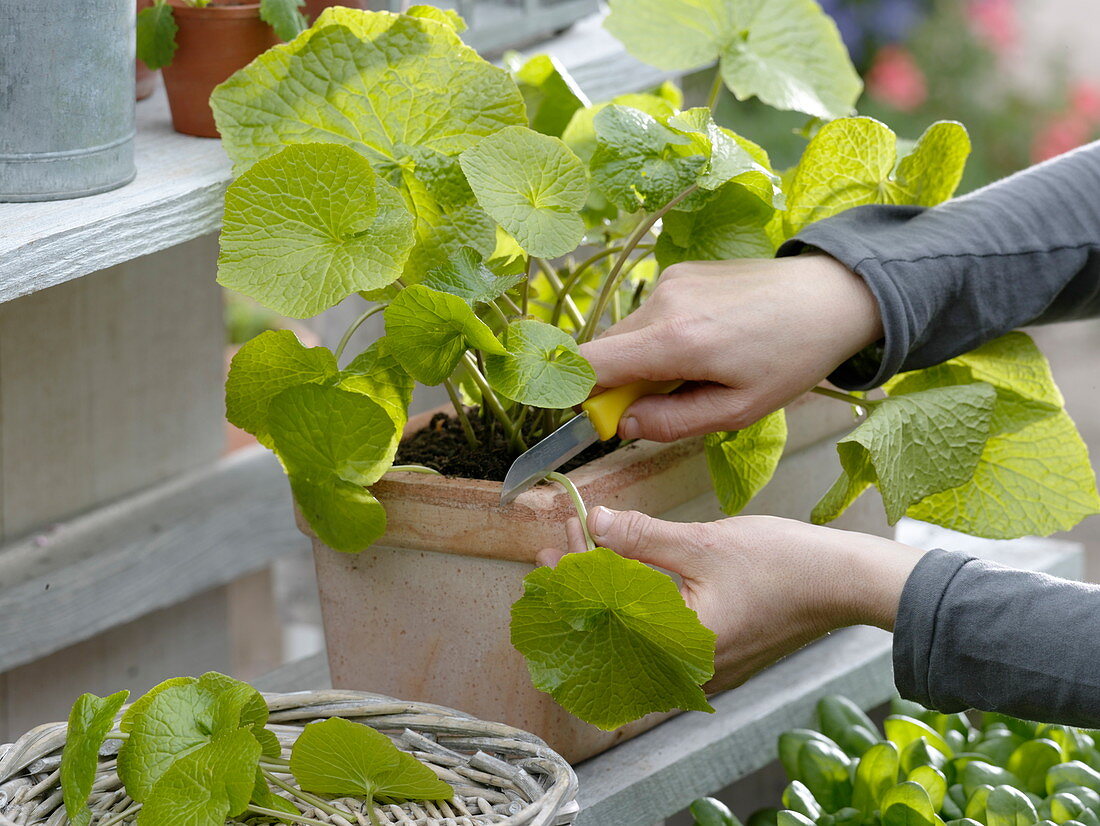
195 532
177 194
187 638
660 772
108 384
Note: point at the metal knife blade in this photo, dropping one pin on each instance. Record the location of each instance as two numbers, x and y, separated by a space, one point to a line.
552 452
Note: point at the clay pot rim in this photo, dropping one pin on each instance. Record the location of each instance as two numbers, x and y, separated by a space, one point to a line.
236 11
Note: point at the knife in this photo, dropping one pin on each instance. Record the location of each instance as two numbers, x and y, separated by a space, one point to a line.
597 421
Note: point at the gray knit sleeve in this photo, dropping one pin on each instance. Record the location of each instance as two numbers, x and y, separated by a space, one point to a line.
972 634
947 279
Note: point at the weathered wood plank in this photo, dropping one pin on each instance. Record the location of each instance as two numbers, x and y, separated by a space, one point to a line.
177 194
200 530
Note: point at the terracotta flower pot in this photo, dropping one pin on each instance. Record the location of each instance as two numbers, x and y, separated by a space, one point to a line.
424 614
212 43
146 78
314 8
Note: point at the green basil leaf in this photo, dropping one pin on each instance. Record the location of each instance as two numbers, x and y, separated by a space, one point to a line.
977 773
742 462
543 367
919 753
90 720
263 368
846 724
788 53
798 798
1031 762
876 771
933 781
611 639
823 767
1007 806
789 818
533 185
308 227
792 742
429 331
902 731
711 812
339 757
1073 773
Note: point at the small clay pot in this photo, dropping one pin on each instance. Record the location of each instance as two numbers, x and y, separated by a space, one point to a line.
314 8
212 43
146 77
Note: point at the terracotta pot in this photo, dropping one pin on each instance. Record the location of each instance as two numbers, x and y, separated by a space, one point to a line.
314 8
146 78
212 43
424 614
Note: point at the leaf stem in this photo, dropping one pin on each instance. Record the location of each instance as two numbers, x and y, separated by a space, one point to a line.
612 282
499 313
578 503
355 325
844 397
524 294
118 817
460 413
512 305
490 400
302 795
715 89
413 469
563 298
283 817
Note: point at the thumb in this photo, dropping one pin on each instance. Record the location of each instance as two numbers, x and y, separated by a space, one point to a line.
641 537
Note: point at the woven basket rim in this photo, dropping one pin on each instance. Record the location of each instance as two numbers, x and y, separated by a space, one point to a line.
512 772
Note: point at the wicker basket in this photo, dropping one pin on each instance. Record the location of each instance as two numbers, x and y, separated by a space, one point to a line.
501 775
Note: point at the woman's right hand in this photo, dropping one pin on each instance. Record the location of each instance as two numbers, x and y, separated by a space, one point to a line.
750 335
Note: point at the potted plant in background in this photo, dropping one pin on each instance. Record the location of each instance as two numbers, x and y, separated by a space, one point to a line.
413 176
146 78
199 43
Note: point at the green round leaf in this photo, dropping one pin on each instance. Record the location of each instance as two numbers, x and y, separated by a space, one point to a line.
854 161
428 331
467 277
732 223
876 772
156 36
1031 762
1007 806
262 369
533 185
611 639
907 804
824 768
90 720
308 227
788 53
339 757
742 461
543 367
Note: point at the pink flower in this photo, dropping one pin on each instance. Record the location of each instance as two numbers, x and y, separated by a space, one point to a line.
1085 101
896 79
995 22
1062 134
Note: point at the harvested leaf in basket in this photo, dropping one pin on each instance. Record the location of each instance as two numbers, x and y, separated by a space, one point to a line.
90 719
339 757
611 639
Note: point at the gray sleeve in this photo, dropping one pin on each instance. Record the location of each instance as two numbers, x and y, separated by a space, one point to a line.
947 279
972 634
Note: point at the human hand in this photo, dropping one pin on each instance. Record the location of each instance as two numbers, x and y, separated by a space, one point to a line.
766 586
753 335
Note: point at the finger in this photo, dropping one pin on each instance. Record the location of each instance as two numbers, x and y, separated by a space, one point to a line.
668 545
639 354
574 533
693 411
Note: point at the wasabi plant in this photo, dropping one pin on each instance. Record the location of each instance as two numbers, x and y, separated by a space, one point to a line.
497 219
197 751
928 769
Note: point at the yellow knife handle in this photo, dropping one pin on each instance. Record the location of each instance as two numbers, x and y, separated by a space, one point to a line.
605 409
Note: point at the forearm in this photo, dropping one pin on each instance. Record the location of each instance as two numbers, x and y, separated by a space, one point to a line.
1023 250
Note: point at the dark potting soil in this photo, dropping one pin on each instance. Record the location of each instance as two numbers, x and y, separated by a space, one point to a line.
442 446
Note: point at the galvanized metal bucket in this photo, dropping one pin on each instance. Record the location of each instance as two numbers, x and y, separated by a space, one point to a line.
66 98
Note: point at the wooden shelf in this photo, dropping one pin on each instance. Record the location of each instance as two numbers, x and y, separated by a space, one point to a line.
177 194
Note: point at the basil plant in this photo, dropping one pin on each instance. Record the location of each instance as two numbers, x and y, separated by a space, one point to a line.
497 219
924 768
